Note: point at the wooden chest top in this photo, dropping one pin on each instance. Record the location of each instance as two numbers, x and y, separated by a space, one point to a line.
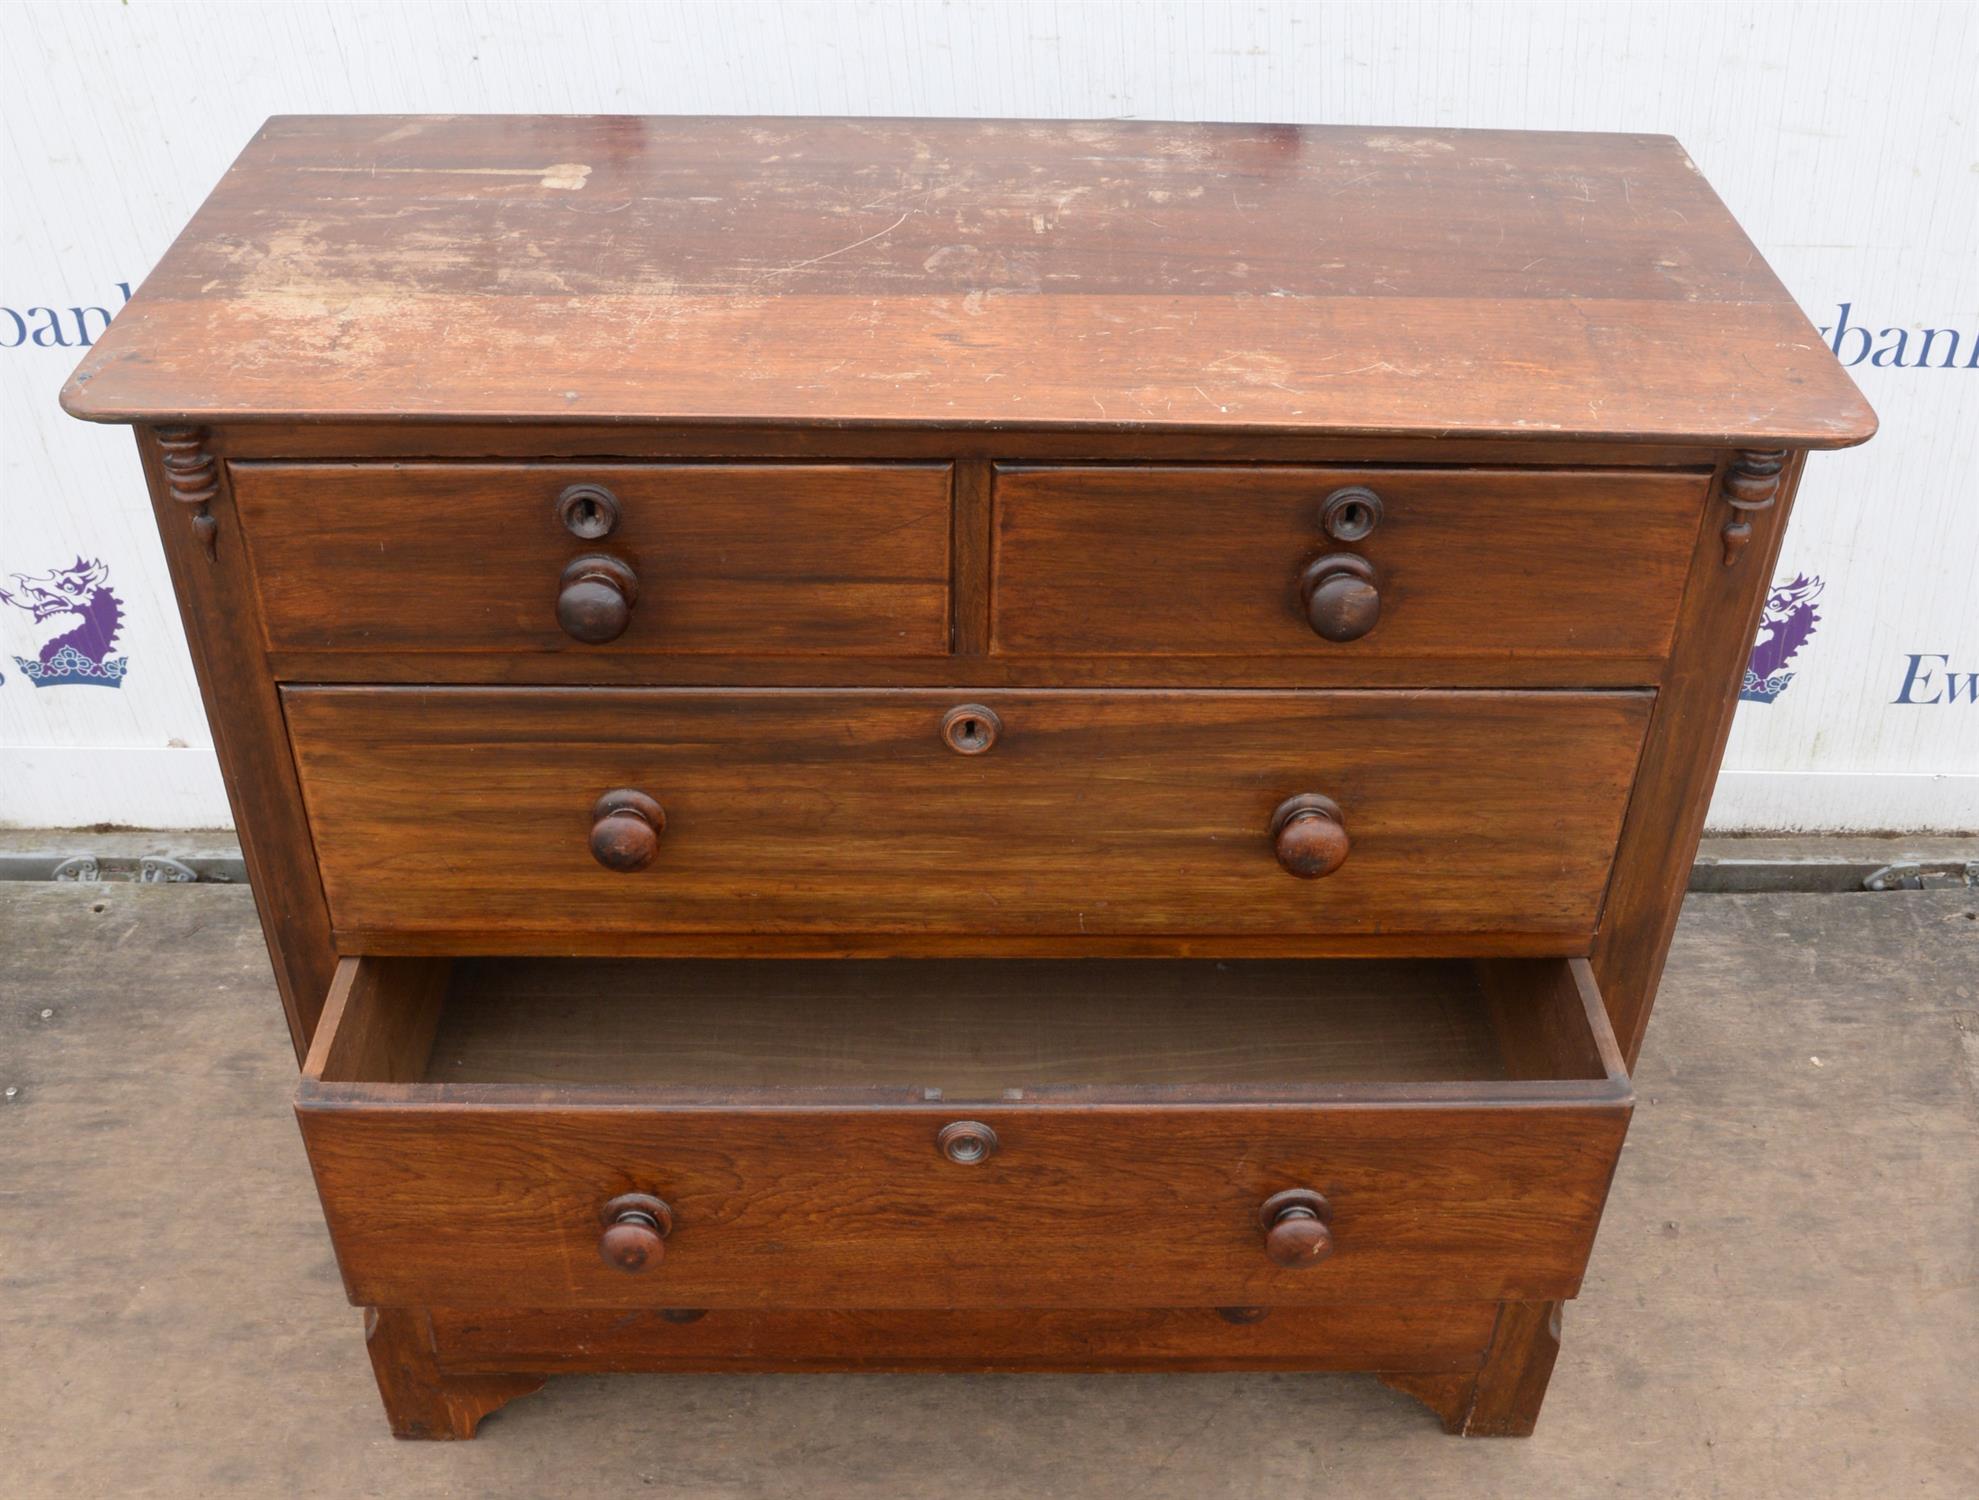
1111 276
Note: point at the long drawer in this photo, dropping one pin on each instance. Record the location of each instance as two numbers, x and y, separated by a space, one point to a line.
570 820
683 1134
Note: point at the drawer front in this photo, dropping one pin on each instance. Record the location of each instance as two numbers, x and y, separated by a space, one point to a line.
477 1130
1497 566
456 1205
456 813
616 1134
772 560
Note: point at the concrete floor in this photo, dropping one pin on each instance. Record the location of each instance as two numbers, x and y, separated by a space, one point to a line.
1782 1301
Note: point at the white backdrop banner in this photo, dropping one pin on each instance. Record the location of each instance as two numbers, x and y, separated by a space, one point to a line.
1840 135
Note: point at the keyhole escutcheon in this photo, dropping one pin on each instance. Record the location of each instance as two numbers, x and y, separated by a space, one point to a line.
970 728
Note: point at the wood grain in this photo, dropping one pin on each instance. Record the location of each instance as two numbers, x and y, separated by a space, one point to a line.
467 810
913 425
378 1023
1548 1019
1503 1397
1494 565
845 559
1424 1336
1305 668
420 1401
537 440
1686 744
971 1029
789 1191
972 273
222 616
569 942
1517 1369
969 586
482 1204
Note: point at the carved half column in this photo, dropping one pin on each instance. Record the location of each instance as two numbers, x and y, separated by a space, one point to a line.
194 477
1752 483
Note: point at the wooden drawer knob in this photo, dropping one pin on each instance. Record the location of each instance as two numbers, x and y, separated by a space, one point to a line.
625 830
1295 1227
1309 836
636 1230
595 599
1341 598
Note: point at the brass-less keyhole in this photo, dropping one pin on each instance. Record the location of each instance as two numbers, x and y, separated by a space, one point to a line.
588 511
1349 514
970 729
967 1143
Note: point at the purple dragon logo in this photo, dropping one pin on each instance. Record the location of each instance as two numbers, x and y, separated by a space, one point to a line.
1784 626
80 653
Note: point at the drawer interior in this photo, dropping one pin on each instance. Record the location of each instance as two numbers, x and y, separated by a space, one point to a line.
471 1124
1007 1031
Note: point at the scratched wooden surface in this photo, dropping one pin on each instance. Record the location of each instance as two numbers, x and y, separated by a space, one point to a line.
1837 134
1100 275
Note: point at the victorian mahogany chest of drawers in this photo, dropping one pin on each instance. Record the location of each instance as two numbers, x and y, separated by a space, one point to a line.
965 745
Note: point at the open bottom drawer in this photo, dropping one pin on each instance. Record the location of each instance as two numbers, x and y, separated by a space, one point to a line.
1022 1133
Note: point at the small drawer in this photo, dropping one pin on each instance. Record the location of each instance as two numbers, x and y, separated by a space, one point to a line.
941 1134
613 559
581 820
1342 571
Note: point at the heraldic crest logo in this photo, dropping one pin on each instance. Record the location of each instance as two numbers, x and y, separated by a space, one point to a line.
1784 626
82 615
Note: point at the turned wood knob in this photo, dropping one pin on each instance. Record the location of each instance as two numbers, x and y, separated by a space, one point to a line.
1309 837
625 830
1295 1227
595 599
1341 599
636 1230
